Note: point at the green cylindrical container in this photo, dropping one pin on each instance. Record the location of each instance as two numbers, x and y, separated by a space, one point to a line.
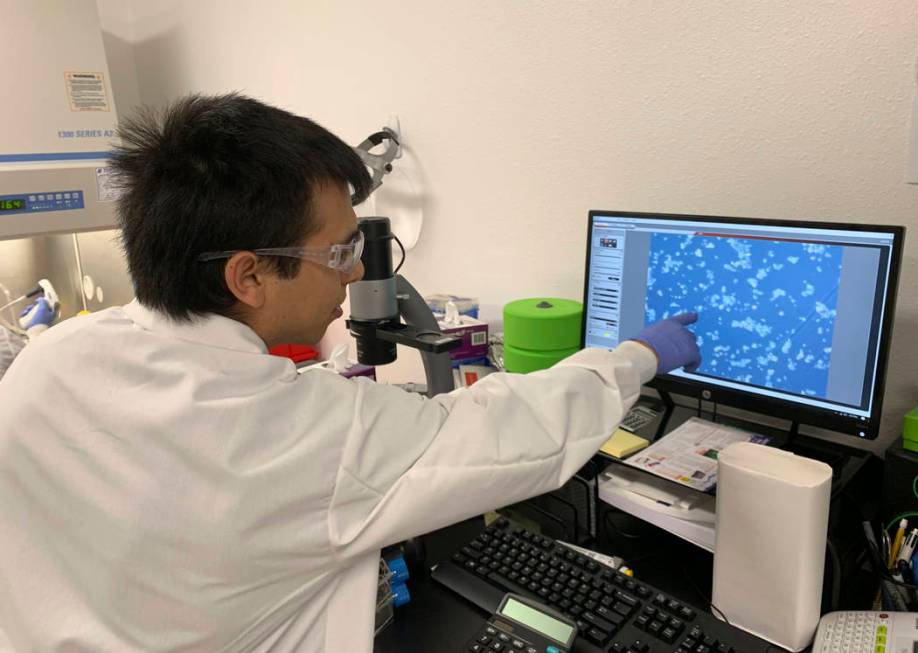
540 331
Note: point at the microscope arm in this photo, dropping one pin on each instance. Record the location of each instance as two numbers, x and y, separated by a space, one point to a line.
416 312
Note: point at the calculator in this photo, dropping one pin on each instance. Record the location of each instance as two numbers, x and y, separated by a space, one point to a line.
521 625
867 632
638 417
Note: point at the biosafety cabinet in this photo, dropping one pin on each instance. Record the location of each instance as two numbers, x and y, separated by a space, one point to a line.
57 126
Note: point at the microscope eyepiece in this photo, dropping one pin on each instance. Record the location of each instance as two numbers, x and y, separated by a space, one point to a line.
377 248
373 299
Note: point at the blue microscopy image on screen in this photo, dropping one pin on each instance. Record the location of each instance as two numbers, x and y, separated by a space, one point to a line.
766 308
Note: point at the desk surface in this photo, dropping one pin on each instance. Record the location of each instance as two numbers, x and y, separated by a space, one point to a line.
437 620
434 620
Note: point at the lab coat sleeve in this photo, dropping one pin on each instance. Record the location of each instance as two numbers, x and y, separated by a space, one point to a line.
10 346
412 465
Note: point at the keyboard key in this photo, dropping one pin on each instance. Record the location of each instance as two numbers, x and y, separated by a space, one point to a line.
598 621
597 636
622 608
626 598
608 614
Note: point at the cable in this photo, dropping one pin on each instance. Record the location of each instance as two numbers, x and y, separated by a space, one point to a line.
895 520
401 247
705 599
714 608
835 591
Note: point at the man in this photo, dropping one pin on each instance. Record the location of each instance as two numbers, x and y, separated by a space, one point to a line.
166 485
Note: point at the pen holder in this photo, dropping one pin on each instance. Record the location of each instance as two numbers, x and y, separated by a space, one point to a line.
894 595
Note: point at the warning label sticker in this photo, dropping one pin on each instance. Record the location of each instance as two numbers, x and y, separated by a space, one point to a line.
106 185
86 92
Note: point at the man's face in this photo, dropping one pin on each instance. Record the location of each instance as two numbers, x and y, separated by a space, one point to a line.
301 308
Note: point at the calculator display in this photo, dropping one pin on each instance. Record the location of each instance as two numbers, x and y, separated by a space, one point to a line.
537 621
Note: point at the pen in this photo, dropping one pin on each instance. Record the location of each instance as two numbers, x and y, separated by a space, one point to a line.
897 544
908 546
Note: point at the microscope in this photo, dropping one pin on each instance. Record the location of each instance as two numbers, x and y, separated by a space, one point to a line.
383 297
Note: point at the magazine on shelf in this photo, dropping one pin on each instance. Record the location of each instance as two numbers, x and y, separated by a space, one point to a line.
688 453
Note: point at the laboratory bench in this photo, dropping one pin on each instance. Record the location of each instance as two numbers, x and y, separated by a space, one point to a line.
439 620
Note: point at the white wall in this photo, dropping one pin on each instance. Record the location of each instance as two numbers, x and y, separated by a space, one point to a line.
520 116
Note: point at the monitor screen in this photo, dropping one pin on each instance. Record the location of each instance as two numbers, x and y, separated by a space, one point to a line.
792 316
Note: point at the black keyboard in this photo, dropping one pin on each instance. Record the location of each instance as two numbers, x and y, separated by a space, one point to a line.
614 612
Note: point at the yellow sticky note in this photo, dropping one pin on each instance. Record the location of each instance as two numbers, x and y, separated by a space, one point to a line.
622 444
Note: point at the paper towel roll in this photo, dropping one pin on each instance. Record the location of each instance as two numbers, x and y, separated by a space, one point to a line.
772 520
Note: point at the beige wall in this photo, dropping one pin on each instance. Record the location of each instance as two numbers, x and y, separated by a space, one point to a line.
521 115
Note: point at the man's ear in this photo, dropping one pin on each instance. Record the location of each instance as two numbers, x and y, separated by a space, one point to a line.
246 277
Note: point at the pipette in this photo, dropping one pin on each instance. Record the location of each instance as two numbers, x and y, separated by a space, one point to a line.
37 290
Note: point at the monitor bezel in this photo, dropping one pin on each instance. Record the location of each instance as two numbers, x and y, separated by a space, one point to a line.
782 408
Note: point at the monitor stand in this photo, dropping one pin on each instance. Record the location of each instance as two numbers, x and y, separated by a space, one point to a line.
681 511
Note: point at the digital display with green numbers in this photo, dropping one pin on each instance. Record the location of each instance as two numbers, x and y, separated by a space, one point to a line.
537 621
12 205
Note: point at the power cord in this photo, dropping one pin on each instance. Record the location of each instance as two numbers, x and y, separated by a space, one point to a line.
402 262
704 598
714 608
895 520
835 591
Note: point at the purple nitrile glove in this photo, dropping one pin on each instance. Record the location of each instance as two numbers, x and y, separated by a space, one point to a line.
38 312
673 344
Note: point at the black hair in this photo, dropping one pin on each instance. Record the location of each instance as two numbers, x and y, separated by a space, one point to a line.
216 173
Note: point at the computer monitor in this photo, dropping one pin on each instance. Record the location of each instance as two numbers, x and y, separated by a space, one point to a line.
794 318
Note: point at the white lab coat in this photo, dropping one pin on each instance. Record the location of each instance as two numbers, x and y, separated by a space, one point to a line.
172 487
12 343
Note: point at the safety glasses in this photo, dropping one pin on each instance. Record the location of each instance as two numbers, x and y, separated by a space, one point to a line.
343 258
